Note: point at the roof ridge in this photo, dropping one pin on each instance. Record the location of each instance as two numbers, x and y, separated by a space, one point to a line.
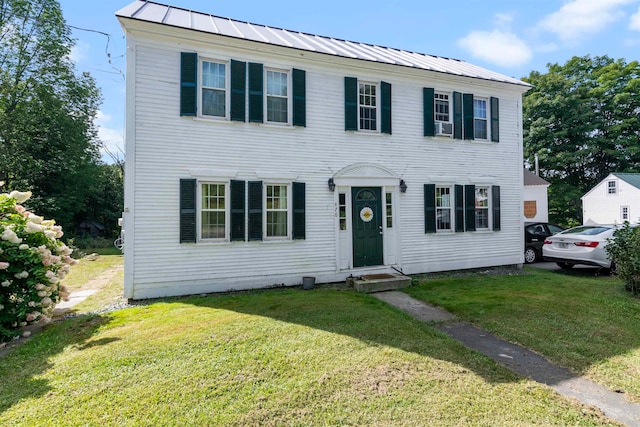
294 39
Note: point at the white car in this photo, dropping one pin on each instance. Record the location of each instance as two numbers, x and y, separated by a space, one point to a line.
579 245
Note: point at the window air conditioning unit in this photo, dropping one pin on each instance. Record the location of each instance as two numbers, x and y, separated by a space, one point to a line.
443 128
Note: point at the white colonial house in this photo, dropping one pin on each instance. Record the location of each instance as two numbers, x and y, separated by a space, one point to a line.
258 155
614 200
536 197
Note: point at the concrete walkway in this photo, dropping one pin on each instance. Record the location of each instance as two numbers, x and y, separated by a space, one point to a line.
519 359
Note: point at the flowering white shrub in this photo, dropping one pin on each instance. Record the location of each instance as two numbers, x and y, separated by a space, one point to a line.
32 263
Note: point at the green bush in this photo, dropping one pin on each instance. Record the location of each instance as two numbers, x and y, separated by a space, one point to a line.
32 263
624 250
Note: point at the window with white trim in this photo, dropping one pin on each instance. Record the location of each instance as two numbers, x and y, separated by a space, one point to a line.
213 213
443 209
277 210
389 209
277 96
367 94
441 107
482 208
213 97
624 213
612 187
480 119
342 210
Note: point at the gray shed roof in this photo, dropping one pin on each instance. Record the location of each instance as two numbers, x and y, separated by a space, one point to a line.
631 178
177 17
531 178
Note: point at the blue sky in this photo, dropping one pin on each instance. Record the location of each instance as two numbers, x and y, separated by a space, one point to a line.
512 37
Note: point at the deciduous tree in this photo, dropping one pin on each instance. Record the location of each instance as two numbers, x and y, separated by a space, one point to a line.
48 140
582 119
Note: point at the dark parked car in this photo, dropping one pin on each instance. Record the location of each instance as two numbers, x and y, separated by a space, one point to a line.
535 234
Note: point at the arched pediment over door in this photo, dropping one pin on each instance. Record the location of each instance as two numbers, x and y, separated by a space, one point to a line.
366 174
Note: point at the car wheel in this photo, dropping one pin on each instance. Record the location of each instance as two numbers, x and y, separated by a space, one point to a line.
565 265
530 255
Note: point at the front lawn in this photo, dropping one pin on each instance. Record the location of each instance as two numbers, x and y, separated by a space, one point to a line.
588 324
278 357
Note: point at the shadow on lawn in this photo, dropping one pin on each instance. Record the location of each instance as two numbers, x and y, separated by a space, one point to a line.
359 316
33 357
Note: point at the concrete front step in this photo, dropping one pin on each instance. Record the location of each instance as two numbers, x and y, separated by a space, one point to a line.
379 282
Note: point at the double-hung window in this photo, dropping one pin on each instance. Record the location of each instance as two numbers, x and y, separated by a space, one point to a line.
213 217
612 187
277 208
214 89
441 107
443 208
480 118
277 97
482 208
367 95
624 213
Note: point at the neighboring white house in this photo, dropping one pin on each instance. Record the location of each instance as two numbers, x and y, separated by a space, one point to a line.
614 200
536 199
257 155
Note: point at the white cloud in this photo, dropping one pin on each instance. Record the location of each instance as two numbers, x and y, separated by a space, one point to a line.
79 52
503 20
634 24
498 47
112 139
579 18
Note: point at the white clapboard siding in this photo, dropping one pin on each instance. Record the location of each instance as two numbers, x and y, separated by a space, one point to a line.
601 207
168 147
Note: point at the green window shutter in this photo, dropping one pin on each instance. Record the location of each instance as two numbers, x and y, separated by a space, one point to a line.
255 210
467 111
237 210
256 85
495 119
188 210
457 115
298 203
350 103
429 208
495 206
238 85
459 207
470 207
385 111
188 83
429 122
299 78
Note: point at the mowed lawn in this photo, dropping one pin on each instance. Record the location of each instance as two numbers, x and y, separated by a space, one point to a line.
588 324
276 357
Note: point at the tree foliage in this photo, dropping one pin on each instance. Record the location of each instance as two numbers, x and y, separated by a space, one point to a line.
48 141
582 119
624 250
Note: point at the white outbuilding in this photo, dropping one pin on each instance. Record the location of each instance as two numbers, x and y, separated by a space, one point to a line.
613 200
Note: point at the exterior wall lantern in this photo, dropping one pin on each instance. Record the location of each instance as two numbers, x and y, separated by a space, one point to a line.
332 185
403 186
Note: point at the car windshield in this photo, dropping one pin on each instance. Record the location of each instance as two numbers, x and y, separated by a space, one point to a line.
587 230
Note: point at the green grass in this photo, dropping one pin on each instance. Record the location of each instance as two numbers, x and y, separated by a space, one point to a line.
87 270
278 357
588 324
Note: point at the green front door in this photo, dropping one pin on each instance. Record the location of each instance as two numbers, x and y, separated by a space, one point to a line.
367 226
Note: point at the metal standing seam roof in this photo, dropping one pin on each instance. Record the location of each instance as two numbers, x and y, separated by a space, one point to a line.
150 11
630 178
